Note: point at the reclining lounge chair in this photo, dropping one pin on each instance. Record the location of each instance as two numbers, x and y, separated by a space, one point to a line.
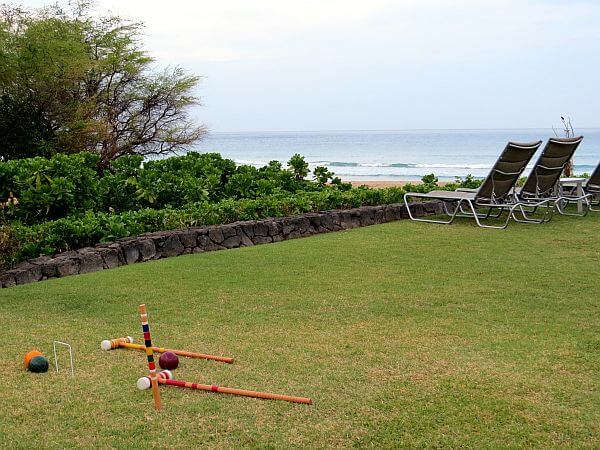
495 194
591 190
543 181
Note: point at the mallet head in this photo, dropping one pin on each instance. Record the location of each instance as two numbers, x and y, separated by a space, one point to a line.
114 343
145 382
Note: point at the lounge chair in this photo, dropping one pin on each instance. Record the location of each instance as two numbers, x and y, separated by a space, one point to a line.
591 190
494 195
543 181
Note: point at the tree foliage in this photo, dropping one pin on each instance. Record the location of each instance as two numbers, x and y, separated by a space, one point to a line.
299 166
71 81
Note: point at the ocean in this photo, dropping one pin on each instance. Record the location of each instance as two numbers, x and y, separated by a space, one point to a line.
391 155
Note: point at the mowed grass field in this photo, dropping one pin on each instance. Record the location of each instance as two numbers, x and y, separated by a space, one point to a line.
404 335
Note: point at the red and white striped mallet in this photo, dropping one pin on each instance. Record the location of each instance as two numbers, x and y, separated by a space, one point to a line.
166 377
146 383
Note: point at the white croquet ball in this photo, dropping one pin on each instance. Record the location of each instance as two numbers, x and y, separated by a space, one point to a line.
143 383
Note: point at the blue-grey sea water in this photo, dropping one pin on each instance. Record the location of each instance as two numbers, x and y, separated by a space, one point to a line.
391 155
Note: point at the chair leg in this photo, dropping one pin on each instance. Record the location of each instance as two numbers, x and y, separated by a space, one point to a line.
445 207
419 219
524 218
521 207
527 208
481 224
469 214
594 201
566 200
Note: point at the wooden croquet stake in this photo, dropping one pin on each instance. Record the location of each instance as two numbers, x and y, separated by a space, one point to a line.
150 356
233 391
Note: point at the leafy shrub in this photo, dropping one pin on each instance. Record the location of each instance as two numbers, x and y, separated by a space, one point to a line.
64 203
9 246
65 185
469 182
299 166
322 175
430 180
47 189
428 183
91 228
131 184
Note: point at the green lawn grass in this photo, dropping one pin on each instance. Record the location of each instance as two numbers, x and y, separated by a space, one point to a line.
404 334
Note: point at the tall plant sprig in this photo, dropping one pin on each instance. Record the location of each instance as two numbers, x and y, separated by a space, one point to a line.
567 132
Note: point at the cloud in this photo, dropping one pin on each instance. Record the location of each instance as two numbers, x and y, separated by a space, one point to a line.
234 29
334 64
420 31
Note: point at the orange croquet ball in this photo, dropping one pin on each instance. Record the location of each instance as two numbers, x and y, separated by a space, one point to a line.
30 355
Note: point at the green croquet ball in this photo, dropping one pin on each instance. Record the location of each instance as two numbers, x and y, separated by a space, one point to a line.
38 364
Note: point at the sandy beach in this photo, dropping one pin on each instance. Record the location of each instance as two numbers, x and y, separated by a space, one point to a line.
377 184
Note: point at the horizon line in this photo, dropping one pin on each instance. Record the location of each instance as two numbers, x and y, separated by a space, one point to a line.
395 129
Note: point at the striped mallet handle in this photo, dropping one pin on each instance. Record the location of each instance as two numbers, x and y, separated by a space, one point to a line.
150 356
166 377
127 342
182 353
233 391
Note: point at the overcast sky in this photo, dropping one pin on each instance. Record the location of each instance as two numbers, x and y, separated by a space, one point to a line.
378 64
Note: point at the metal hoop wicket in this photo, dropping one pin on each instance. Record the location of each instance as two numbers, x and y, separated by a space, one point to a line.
54 343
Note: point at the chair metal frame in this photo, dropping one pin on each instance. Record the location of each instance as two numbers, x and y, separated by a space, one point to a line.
594 199
532 199
496 205
473 204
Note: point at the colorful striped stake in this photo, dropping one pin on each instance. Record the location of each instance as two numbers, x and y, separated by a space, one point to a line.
165 377
150 356
126 342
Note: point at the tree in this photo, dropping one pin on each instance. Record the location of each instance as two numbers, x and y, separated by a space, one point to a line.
299 166
24 131
79 82
322 175
42 60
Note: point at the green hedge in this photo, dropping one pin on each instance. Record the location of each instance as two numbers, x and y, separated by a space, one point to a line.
43 189
64 203
91 228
